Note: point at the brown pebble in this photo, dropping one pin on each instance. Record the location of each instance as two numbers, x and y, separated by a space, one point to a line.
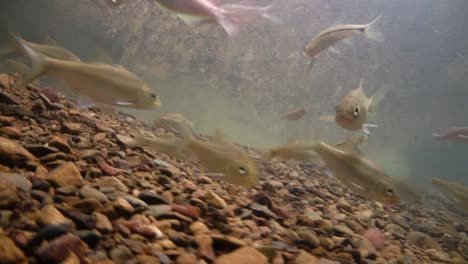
12 132
186 259
58 249
205 247
244 255
66 174
60 143
9 252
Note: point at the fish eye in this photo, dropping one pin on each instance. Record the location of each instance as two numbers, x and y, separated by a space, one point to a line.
242 169
153 95
356 111
390 191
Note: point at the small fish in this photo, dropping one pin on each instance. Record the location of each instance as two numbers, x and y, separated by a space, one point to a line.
295 150
452 134
221 156
294 114
351 145
330 36
48 50
456 192
111 85
229 17
359 174
19 67
175 123
169 144
352 111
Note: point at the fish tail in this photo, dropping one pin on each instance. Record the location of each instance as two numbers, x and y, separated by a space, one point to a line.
372 33
38 61
229 24
232 16
436 136
266 12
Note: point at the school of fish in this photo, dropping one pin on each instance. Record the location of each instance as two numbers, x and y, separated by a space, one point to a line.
109 85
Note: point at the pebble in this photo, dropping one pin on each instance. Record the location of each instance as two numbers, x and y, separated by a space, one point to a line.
49 215
9 252
90 192
214 200
123 206
60 143
65 174
108 181
152 198
102 223
198 228
18 180
244 255
58 249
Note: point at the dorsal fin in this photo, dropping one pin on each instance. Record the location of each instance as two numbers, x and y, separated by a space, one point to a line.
48 40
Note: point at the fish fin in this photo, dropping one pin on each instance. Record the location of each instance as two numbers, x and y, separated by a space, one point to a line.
266 13
376 98
365 130
370 125
372 33
84 102
124 103
102 56
436 135
39 62
214 174
311 64
138 137
108 109
219 137
245 13
49 40
462 136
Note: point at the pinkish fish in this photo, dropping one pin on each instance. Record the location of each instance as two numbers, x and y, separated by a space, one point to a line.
452 134
228 16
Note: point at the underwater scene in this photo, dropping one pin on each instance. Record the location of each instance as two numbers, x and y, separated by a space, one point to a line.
234 131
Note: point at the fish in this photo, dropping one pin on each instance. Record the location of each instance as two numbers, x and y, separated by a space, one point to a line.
332 35
48 49
359 174
351 144
455 192
175 123
19 67
229 17
111 85
221 156
294 114
168 144
452 134
352 111
298 150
